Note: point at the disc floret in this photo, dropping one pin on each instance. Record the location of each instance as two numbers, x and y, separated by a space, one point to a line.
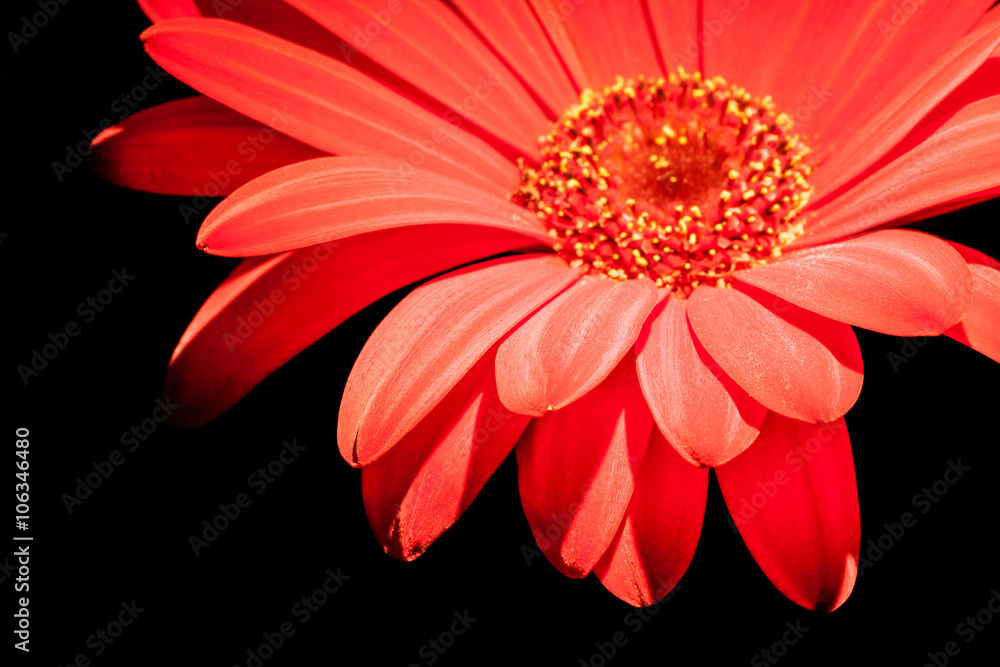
682 180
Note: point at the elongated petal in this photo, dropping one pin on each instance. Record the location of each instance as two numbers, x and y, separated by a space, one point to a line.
705 415
430 341
980 329
678 33
576 468
511 28
161 10
962 62
318 100
335 197
949 159
658 536
428 45
795 362
947 207
572 343
271 308
897 281
853 67
973 256
794 499
272 16
420 487
194 146
601 39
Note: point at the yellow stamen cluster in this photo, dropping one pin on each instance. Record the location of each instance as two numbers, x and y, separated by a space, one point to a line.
678 179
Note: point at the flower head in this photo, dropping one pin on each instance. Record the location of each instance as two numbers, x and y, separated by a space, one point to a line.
683 225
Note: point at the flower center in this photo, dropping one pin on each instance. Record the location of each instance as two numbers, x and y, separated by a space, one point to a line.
678 179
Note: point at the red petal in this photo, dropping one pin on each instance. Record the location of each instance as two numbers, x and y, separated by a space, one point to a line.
335 197
318 100
511 28
973 256
572 343
600 40
161 10
891 123
949 158
428 45
576 470
193 146
274 17
794 500
898 282
980 329
429 342
947 207
677 33
704 414
795 362
420 487
658 536
272 308
852 67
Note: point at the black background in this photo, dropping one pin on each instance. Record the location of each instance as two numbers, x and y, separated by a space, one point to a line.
129 540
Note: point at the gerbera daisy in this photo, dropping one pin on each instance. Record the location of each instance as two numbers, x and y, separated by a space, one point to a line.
671 214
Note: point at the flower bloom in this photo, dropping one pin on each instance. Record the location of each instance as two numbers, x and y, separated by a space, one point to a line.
688 205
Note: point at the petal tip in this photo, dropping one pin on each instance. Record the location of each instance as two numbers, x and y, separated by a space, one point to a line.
396 549
355 460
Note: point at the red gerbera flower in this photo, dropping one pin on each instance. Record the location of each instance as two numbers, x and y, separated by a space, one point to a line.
681 255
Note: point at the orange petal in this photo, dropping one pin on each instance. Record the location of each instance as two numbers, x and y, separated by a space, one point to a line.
657 538
794 499
704 414
429 342
794 362
576 468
